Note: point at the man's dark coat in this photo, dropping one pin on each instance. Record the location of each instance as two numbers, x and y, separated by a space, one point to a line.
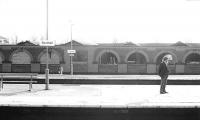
163 70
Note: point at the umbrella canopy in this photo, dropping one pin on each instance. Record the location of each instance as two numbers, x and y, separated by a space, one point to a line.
168 56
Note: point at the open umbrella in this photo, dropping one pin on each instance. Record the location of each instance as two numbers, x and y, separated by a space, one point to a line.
168 56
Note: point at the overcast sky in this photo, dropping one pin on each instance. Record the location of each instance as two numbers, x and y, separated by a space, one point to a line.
102 21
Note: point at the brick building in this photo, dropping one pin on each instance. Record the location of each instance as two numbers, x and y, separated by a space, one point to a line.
118 58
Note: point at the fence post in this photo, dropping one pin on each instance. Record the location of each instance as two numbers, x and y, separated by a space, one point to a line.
30 85
1 83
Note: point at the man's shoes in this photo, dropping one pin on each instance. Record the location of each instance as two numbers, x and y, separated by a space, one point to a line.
164 92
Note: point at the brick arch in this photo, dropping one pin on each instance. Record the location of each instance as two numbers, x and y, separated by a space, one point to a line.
111 51
21 50
43 54
141 52
162 52
188 53
2 57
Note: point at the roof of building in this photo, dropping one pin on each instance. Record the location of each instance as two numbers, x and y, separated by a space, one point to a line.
179 43
1 37
193 44
26 43
155 44
74 43
118 44
82 43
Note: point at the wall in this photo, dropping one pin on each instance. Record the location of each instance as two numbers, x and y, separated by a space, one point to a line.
89 62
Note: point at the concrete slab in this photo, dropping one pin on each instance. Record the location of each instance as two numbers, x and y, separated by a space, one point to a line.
101 96
119 77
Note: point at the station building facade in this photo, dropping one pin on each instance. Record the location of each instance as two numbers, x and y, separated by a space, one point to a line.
118 58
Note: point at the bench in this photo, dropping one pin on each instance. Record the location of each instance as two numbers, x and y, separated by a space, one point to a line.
18 76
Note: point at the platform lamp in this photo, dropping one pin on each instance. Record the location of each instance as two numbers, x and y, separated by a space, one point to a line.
71 47
47 68
71 51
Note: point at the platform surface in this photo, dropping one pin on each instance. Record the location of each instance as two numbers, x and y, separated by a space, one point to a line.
119 77
100 96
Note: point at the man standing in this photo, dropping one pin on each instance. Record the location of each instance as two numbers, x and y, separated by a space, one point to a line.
163 73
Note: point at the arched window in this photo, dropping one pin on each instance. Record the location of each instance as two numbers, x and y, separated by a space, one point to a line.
80 56
53 61
53 58
160 57
136 58
21 62
108 58
21 58
193 58
1 60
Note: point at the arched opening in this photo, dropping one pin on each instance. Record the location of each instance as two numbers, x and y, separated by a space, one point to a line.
21 62
136 63
1 60
52 58
53 61
136 58
108 63
171 66
108 58
193 58
192 62
80 61
159 59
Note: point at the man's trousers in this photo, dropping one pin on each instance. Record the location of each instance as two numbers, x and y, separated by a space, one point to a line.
163 83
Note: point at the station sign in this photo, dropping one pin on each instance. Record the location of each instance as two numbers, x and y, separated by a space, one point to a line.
71 54
71 51
47 43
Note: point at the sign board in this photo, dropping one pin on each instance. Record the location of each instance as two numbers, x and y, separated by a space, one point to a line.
71 51
47 43
71 54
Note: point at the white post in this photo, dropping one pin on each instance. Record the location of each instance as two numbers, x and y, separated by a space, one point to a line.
47 69
71 47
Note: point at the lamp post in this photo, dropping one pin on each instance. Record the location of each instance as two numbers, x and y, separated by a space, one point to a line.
47 68
71 47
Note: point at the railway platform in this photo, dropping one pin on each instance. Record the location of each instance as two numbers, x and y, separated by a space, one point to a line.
101 101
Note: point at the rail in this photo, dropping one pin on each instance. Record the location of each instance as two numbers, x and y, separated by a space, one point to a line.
18 76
